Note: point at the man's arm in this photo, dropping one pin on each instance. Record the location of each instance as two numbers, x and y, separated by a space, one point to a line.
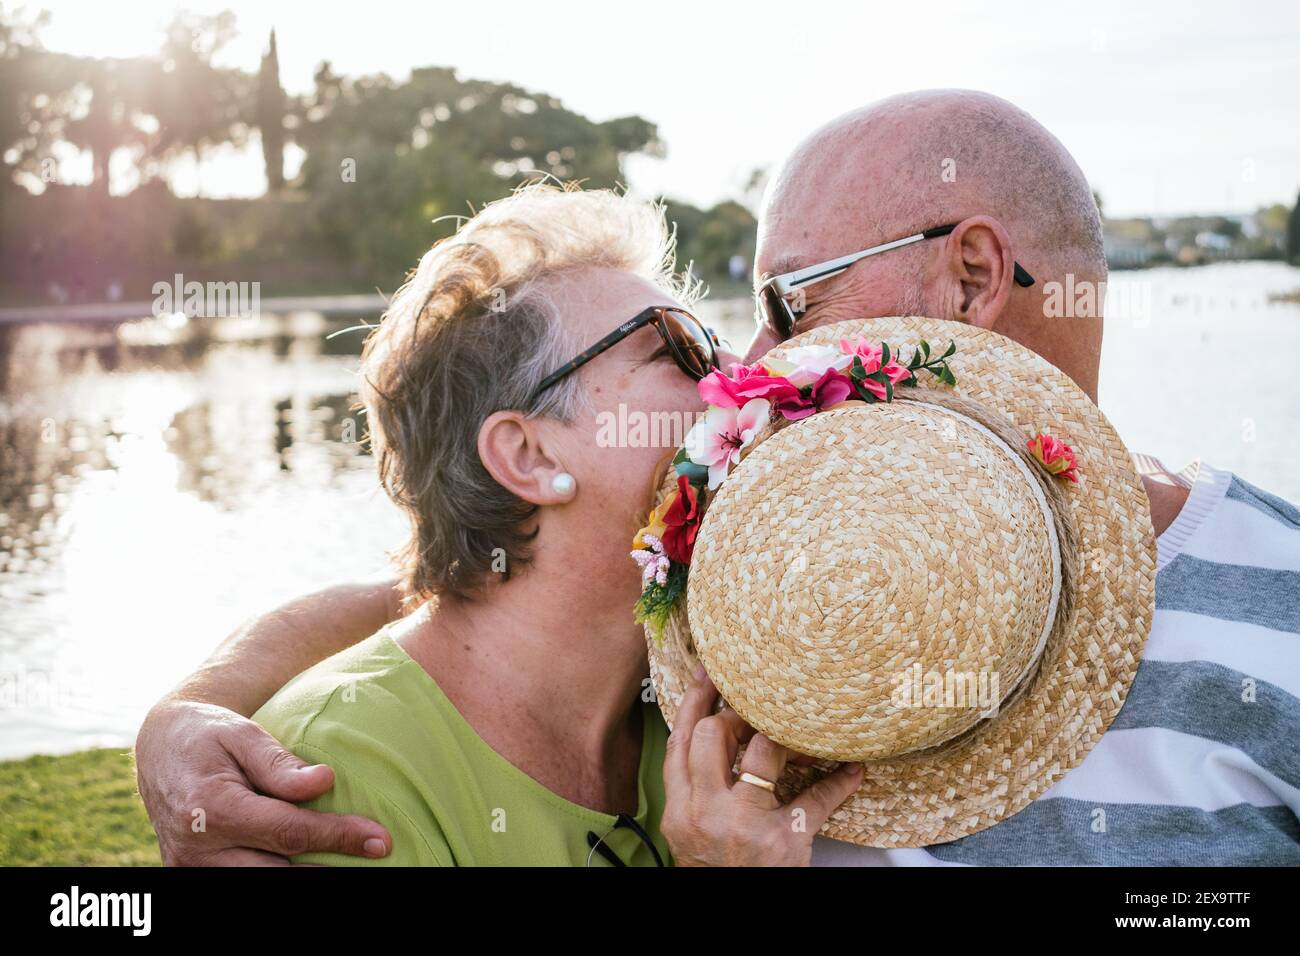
218 788
248 667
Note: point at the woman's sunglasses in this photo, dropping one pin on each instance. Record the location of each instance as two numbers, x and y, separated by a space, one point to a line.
693 346
775 295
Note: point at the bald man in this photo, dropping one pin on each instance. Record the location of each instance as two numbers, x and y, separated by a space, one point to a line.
1200 767
927 159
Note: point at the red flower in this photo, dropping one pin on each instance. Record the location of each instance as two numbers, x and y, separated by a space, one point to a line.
682 522
1054 455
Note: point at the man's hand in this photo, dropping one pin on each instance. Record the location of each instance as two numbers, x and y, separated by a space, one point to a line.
711 819
220 792
218 788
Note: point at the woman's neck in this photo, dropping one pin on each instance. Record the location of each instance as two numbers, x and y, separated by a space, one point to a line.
553 689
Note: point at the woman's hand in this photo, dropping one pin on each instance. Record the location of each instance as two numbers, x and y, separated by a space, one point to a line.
220 791
713 819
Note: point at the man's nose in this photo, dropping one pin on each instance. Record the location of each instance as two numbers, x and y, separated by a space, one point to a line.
763 342
726 358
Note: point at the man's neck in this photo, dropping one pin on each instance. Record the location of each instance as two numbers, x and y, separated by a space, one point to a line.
1167 496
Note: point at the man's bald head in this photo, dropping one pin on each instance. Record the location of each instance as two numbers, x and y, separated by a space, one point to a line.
925 159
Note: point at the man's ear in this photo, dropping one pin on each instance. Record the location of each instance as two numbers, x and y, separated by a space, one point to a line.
981 271
520 457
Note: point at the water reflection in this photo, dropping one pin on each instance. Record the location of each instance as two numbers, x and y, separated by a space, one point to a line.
154 490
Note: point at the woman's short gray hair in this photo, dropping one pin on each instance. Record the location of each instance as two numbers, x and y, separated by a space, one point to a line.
474 331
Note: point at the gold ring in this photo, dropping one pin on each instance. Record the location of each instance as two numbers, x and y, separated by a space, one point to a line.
757 781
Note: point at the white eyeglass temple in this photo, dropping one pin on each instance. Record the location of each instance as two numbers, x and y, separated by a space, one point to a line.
824 270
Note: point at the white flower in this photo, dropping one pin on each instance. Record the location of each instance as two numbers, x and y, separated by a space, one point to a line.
807 363
716 442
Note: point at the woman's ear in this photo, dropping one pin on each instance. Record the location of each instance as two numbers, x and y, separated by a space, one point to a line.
520 457
981 271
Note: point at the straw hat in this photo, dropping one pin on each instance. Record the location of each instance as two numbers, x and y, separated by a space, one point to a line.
892 583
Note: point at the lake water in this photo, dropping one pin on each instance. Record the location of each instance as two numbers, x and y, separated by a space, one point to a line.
153 493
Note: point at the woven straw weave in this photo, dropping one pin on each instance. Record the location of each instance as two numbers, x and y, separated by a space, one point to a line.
868 541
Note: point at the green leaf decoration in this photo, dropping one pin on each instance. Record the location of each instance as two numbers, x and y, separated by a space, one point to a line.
657 602
884 353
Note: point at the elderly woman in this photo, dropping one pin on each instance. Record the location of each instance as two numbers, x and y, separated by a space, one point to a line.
503 718
507 717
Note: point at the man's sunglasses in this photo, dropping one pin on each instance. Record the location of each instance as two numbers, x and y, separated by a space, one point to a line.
775 293
693 346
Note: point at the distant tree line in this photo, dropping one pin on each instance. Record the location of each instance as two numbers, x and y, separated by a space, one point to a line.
1293 233
382 158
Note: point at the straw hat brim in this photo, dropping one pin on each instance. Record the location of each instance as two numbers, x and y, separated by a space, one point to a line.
1003 764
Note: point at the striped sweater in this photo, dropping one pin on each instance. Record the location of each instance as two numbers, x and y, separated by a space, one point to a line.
1202 765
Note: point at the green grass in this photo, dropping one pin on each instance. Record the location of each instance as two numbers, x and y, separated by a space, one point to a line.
76 810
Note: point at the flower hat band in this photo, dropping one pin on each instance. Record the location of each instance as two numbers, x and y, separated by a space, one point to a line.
808 380
938 562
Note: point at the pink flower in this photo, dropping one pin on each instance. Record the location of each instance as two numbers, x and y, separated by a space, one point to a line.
1054 455
746 382
868 352
831 389
871 357
653 561
716 442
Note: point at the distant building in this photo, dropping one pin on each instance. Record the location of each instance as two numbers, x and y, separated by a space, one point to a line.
1192 240
1214 241
1129 251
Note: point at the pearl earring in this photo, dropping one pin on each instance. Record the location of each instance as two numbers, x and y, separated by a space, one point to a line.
563 484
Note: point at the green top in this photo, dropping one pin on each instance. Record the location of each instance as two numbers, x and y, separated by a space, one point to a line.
405 757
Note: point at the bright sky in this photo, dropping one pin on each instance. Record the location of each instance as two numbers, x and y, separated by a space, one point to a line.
1189 108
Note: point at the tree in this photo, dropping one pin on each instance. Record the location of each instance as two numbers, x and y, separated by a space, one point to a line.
17 46
386 158
270 117
36 97
707 239
114 92
195 104
156 106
